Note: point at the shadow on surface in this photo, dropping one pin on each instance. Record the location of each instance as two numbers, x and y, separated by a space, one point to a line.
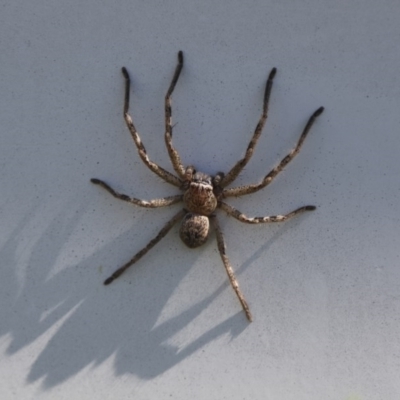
87 324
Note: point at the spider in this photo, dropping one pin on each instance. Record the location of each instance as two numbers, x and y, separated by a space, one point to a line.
202 194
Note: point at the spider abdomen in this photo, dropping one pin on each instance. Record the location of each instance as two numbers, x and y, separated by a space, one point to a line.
194 229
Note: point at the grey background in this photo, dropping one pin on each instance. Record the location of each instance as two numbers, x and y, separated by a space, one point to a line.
324 288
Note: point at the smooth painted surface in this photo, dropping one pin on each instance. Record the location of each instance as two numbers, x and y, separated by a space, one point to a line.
324 289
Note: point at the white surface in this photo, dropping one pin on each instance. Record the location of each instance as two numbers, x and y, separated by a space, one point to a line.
324 288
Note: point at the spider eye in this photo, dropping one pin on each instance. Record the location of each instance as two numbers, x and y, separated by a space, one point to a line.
199 177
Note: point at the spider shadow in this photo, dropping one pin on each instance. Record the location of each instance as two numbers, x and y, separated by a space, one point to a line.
82 322
265 247
288 225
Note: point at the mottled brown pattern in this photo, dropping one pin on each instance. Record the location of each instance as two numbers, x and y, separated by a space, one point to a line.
202 193
200 200
166 228
161 172
235 171
165 201
228 267
247 189
233 212
194 230
173 154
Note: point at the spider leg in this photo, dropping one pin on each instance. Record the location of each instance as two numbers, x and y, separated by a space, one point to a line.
235 171
166 228
173 154
233 212
165 201
161 172
228 267
247 189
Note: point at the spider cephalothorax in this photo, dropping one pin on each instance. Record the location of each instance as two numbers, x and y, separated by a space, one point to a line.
200 200
203 194
199 196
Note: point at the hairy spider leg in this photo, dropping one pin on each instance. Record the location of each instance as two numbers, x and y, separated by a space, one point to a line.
233 212
155 203
161 172
247 189
235 171
228 267
173 153
166 228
